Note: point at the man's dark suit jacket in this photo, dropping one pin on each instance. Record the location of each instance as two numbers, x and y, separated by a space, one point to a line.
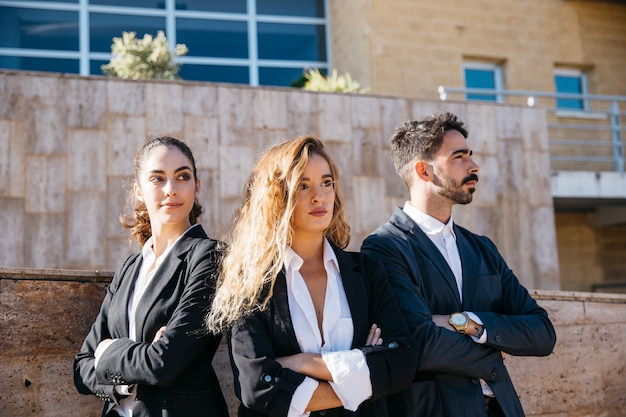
450 364
174 376
265 388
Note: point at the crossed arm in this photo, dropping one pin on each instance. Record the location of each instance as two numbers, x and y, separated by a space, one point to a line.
313 365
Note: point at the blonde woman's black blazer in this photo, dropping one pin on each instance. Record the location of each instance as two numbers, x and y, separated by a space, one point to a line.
265 388
173 376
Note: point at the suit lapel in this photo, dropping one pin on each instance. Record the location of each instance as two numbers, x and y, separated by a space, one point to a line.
468 265
428 248
119 308
282 315
355 294
163 276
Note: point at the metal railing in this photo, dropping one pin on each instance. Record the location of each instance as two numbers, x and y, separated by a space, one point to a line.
585 139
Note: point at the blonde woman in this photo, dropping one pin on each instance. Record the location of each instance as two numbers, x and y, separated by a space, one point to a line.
305 317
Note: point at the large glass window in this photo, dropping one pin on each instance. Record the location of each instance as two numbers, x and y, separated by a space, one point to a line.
95 67
222 6
485 76
281 77
225 41
104 27
570 81
305 8
27 28
213 38
291 42
216 73
26 63
156 4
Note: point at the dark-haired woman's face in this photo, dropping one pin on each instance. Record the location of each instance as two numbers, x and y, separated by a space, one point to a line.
315 199
167 187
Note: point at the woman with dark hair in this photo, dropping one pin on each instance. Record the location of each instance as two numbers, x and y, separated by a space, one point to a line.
147 354
305 317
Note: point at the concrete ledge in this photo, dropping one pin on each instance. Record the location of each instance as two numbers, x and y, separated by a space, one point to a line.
596 297
47 274
588 184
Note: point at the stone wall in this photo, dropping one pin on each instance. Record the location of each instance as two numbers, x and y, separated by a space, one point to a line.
45 315
67 144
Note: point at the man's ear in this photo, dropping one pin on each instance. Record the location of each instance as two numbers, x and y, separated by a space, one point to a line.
138 193
423 170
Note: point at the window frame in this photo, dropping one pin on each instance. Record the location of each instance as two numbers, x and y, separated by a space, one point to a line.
171 14
496 68
584 91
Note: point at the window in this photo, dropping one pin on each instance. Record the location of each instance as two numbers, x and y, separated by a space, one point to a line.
482 75
570 81
269 42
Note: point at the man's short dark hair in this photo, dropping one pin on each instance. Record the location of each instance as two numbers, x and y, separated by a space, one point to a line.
420 140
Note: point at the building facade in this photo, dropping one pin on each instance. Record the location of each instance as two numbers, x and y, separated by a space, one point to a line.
520 52
564 56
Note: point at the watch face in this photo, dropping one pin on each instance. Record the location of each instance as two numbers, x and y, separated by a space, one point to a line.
458 319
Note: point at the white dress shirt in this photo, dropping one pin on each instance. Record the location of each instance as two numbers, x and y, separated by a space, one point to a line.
351 376
444 238
439 233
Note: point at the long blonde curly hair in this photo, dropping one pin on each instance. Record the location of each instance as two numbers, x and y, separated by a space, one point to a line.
263 230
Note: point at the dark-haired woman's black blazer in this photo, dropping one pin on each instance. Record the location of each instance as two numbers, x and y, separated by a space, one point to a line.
173 376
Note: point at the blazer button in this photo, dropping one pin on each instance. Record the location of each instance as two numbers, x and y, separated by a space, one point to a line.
497 338
323 413
392 345
493 375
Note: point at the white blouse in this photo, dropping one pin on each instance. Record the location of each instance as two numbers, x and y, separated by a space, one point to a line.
351 376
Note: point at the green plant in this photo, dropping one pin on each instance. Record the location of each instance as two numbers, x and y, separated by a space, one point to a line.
342 83
149 57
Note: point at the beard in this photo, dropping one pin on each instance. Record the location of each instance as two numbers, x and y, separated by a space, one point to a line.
453 189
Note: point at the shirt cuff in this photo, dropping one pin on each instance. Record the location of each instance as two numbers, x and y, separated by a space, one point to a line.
102 347
301 398
483 337
351 377
124 389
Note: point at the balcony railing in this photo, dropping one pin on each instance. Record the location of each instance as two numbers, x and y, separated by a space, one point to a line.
587 139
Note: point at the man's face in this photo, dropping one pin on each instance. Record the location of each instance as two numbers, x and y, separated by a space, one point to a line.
454 171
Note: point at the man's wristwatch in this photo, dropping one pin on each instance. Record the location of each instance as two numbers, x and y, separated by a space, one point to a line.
459 321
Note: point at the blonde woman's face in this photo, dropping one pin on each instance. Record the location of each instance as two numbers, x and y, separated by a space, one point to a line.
167 186
315 199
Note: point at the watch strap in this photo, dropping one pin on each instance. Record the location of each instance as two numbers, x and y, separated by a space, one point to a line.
480 330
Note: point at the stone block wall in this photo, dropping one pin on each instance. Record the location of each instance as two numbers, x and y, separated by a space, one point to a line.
584 376
67 144
45 315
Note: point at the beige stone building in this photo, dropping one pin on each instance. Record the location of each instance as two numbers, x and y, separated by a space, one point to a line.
410 48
